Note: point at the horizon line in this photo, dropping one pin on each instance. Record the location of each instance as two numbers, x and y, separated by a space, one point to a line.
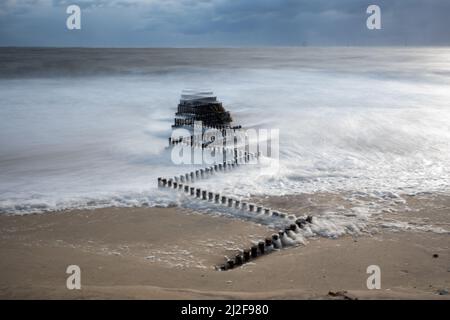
224 47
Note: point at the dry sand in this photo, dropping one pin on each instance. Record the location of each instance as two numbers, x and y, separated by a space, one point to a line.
170 253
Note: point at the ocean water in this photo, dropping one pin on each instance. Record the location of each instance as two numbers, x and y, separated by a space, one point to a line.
88 128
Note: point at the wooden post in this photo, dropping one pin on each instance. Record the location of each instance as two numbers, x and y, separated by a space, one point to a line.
224 144
261 247
246 255
268 242
254 251
276 241
238 259
300 222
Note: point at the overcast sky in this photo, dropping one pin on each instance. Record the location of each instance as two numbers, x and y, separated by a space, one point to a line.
192 23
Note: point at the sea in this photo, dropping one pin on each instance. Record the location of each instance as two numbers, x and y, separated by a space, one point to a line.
86 128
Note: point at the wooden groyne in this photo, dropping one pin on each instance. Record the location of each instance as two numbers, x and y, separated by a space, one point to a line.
293 225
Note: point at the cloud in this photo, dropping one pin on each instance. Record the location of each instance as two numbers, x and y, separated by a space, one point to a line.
225 22
17 7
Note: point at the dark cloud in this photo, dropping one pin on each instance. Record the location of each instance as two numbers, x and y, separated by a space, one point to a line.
224 23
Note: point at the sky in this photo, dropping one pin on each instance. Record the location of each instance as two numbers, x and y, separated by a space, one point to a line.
224 23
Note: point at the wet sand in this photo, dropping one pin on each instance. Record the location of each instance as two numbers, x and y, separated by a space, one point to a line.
170 253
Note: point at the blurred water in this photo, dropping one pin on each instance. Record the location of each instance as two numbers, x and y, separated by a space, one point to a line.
88 127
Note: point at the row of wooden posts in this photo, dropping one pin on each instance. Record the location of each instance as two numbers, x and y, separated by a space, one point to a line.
204 139
202 194
210 146
283 238
208 171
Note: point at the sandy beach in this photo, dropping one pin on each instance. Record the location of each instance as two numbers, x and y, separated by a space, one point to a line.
170 253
